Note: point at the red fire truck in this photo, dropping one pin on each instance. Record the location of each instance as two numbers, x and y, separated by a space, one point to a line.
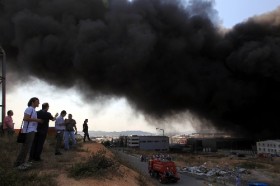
164 170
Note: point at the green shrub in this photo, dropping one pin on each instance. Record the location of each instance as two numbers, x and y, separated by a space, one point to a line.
106 143
98 165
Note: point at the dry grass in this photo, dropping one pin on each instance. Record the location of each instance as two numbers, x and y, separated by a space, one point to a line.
54 169
10 176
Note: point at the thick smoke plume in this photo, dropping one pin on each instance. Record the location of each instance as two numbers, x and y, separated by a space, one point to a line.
164 57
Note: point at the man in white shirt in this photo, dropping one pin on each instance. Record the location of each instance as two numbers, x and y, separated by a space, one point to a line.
60 128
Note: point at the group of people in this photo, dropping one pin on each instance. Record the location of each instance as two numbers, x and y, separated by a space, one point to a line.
36 124
64 129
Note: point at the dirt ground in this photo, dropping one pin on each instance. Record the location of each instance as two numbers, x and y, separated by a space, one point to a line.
258 169
128 177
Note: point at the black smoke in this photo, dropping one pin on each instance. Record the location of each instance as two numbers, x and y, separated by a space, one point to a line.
164 57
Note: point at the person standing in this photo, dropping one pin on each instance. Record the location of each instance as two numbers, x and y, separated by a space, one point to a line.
30 128
8 126
42 131
59 127
85 130
70 125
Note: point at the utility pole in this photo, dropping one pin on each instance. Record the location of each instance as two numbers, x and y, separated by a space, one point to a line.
162 131
3 82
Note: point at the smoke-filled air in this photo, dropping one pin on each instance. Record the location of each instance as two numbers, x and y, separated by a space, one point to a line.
164 56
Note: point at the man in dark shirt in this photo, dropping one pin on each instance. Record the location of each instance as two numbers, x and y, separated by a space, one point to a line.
41 134
85 130
70 131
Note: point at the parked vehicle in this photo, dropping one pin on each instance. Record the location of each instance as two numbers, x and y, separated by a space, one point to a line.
164 170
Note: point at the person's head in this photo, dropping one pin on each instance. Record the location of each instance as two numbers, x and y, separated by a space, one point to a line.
33 102
10 113
45 106
69 116
63 113
86 120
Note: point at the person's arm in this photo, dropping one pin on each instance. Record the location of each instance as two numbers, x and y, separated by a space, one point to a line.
28 117
59 122
54 118
63 122
75 127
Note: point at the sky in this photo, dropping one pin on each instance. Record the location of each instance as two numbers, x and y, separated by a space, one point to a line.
115 114
233 12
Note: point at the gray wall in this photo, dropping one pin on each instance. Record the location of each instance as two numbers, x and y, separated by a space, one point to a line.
159 143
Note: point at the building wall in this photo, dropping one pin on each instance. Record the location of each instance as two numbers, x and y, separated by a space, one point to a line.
158 143
214 144
235 143
209 145
268 147
202 144
133 141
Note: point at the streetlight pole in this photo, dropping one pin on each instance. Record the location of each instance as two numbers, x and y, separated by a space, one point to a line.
3 82
162 130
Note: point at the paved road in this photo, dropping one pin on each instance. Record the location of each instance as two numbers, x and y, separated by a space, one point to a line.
185 180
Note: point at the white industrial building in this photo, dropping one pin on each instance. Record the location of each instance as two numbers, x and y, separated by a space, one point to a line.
133 141
268 147
158 143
